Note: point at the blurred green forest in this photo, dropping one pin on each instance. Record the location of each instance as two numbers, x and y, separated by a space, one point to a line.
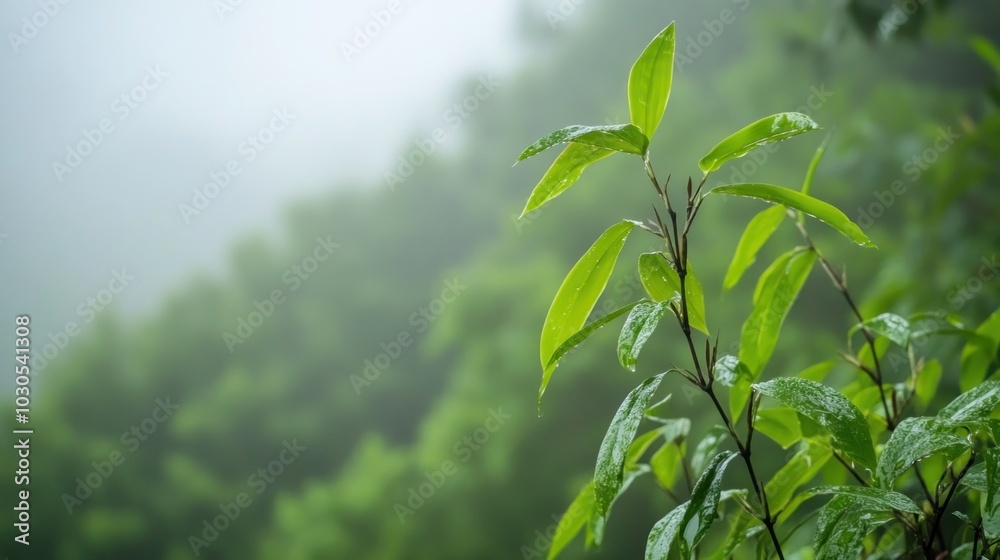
441 263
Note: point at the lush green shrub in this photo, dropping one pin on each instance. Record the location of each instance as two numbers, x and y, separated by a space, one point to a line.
902 471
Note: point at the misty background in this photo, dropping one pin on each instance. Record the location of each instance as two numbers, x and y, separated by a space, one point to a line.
436 260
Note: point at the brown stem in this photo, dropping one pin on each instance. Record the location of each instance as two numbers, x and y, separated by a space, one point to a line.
706 385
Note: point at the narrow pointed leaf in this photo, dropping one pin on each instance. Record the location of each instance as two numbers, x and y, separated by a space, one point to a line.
664 533
765 131
663 284
757 233
564 172
649 82
597 521
975 404
871 498
779 424
912 440
639 447
703 509
638 328
807 183
888 325
828 408
666 463
625 138
815 207
708 448
608 474
579 293
778 289
573 520
803 467
584 333
842 527
991 500
927 382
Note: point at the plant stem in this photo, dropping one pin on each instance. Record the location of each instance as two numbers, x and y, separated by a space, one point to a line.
679 253
841 286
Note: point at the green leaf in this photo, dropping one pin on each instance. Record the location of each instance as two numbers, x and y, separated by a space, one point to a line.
818 371
807 183
765 131
639 447
667 463
649 82
664 533
976 478
704 504
842 527
573 520
779 424
803 467
584 333
912 440
888 325
871 498
617 441
829 409
625 138
816 208
974 404
638 328
564 172
663 284
927 382
777 290
597 521
729 369
757 233
979 357
579 293
991 501
708 448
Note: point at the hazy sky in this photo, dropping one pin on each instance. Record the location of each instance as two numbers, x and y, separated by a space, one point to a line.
115 112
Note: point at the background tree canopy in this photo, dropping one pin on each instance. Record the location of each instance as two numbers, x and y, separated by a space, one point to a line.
405 364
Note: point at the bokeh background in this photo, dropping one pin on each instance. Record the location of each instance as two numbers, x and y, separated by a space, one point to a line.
241 263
